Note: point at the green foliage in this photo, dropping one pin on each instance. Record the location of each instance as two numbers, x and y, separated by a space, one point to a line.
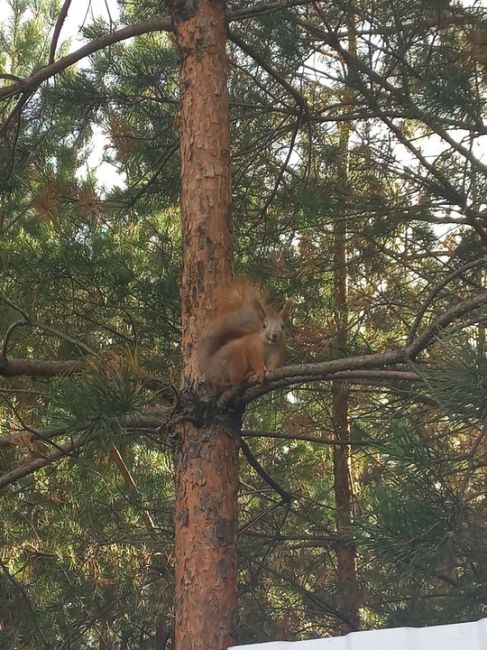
458 381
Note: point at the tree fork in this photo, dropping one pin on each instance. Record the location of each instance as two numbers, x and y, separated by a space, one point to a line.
206 457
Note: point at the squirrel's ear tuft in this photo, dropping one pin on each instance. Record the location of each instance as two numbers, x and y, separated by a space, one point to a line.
287 310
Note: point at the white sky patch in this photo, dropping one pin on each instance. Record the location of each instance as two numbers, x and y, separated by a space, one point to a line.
108 175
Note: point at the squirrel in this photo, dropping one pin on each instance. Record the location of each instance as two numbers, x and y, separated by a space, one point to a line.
244 336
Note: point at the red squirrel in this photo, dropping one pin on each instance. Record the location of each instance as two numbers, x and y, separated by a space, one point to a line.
244 336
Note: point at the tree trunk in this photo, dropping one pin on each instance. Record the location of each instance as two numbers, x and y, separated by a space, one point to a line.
348 598
206 458
349 595
348 602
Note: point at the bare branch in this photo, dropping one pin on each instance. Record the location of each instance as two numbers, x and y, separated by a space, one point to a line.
129 481
38 368
20 588
37 463
455 312
253 462
57 29
10 330
265 8
297 437
14 306
436 290
252 52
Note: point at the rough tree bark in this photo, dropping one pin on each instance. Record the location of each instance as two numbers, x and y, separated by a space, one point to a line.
206 456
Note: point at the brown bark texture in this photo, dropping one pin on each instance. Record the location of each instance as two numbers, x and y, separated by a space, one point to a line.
348 603
349 597
206 455
205 164
37 368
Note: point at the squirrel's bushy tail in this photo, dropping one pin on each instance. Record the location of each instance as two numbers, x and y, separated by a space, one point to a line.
238 311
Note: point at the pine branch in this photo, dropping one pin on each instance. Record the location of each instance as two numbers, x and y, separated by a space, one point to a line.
37 463
57 29
281 435
444 187
253 462
29 85
272 72
38 368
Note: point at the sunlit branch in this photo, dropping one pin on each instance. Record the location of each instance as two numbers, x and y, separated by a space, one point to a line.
163 24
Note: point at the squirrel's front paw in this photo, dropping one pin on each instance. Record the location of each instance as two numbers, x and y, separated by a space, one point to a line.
261 375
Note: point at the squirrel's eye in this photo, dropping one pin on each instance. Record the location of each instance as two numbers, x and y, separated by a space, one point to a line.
264 325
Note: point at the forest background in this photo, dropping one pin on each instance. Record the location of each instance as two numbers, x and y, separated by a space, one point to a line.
358 189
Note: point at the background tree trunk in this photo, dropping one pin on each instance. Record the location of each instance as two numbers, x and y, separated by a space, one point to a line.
349 597
348 601
206 459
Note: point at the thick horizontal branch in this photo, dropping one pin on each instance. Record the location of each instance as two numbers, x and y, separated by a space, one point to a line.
337 369
305 438
352 368
37 463
38 368
363 377
153 418
41 368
